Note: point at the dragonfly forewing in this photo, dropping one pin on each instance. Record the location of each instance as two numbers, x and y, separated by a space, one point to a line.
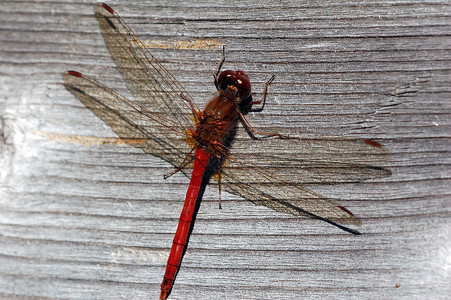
145 77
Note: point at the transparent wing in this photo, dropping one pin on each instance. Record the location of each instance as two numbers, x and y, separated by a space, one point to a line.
284 165
153 132
144 76
282 195
313 159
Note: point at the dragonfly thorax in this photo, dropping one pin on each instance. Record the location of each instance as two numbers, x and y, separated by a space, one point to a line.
215 124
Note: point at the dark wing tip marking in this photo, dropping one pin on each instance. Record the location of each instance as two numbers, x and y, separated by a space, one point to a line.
108 8
373 143
69 84
74 73
104 11
347 229
345 210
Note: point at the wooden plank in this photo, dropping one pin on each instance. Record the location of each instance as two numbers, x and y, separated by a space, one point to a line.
84 216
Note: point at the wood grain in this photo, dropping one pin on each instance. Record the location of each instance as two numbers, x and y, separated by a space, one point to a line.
84 216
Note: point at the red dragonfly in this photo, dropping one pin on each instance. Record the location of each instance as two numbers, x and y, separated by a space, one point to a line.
267 169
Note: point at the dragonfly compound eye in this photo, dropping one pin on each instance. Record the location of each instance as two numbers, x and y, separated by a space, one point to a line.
235 83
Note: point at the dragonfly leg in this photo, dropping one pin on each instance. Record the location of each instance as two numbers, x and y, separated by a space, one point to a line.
263 99
218 67
264 134
249 129
182 165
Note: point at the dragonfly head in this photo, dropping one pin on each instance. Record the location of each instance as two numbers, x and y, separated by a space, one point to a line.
234 83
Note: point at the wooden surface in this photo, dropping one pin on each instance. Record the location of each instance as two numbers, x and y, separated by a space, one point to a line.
83 216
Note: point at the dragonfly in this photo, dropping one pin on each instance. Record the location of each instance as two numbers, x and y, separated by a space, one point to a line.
266 168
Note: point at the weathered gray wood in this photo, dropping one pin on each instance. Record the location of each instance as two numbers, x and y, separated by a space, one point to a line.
84 216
